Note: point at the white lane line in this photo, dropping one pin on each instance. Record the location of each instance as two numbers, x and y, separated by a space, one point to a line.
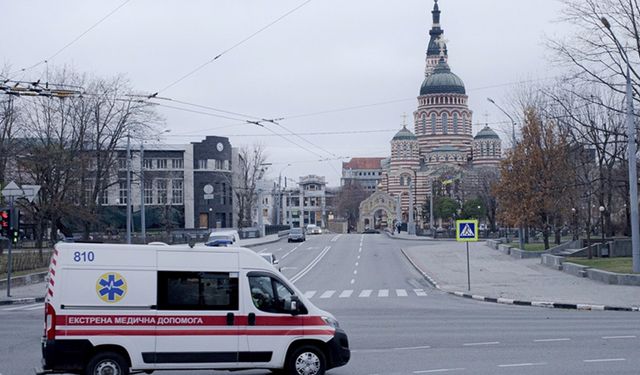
346 294
355 272
310 294
357 264
358 257
524 364
365 293
353 281
481 343
413 348
328 294
360 250
420 292
41 306
401 293
292 250
551 340
618 337
439 370
604 360
310 266
334 239
22 307
383 293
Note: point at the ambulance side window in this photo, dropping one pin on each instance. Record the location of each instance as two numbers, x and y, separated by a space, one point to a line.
197 291
269 294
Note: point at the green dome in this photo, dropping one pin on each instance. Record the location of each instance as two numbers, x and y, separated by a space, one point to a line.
486 133
405 135
442 81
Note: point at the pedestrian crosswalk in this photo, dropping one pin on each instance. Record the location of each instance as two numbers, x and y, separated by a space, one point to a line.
311 294
365 293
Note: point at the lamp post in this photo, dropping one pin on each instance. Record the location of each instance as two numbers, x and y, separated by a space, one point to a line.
631 138
601 209
513 139
574 225
279 204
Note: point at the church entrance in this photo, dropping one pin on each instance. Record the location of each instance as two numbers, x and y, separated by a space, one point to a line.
377 212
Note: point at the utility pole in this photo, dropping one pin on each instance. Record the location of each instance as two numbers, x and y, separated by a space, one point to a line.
143 222
411 226
431 218
129 207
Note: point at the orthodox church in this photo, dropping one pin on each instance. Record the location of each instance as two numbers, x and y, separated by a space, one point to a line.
441 155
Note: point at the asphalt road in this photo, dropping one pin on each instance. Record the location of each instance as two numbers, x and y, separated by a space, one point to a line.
397 324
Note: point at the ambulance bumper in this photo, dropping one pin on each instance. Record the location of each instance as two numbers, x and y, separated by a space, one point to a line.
64 355
338 350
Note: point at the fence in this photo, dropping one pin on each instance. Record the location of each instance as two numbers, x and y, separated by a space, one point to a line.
25 260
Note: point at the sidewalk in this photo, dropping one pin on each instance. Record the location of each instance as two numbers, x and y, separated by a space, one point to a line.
517 281
406 236
24 294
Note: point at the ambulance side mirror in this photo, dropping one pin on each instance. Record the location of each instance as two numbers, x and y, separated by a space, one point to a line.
292 305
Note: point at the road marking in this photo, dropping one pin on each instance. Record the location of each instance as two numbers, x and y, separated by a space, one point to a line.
439 370
524 364
552 340
308 268
357 263
401 293
355 272
22 307
413 348
604 360
353 281
381 350
41 306
481 343
383 293
334 239
420 292
310 294
292 250
365 293
346 294
328 294
358 256
618 337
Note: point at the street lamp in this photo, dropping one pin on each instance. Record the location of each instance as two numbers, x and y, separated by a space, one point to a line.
631 139
601 209
513 138
278 218
574 224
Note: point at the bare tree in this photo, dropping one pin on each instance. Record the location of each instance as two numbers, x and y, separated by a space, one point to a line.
348 201
251 168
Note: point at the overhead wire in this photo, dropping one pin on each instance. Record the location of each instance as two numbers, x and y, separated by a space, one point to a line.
59 51
241 42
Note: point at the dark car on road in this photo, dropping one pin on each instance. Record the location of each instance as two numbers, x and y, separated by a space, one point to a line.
296 235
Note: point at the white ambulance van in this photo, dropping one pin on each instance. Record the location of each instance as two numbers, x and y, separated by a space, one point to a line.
119 309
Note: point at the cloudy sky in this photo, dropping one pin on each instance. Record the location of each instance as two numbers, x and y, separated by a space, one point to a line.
351 68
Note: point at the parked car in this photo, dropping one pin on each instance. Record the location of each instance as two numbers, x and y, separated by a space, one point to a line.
296 235
216 240
231 233
371 231
314 229
271 258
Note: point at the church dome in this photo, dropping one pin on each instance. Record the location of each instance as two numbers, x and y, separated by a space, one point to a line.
486 133
405 135
442 81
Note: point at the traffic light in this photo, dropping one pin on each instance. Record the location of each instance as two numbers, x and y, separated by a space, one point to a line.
15 235
5 222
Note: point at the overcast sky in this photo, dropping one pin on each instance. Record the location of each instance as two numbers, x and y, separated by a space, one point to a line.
328 55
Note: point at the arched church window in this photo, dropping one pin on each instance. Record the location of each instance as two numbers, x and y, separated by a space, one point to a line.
401 181
445 123
455 123
424 123
433 123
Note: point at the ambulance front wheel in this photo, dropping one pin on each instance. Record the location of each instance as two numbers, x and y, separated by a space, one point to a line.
306 360
107 363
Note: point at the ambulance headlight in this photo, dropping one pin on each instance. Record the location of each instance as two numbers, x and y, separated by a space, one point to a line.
331 322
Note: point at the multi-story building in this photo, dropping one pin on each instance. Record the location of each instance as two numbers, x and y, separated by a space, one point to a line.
366 172
306 204
189 186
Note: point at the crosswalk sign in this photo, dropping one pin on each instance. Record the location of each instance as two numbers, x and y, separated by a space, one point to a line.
467 230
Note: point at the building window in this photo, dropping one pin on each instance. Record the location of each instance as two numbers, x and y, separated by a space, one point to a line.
455 123
162 191
202 164
177 163
445 123
123 192
176 191
424 123
104 197
433 123
223 194
147 163
122 163
401 181
162 163
148 192
198 291
226 165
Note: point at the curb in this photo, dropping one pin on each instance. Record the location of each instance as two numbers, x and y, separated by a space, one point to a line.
20 301
264 243
29 279
508 301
